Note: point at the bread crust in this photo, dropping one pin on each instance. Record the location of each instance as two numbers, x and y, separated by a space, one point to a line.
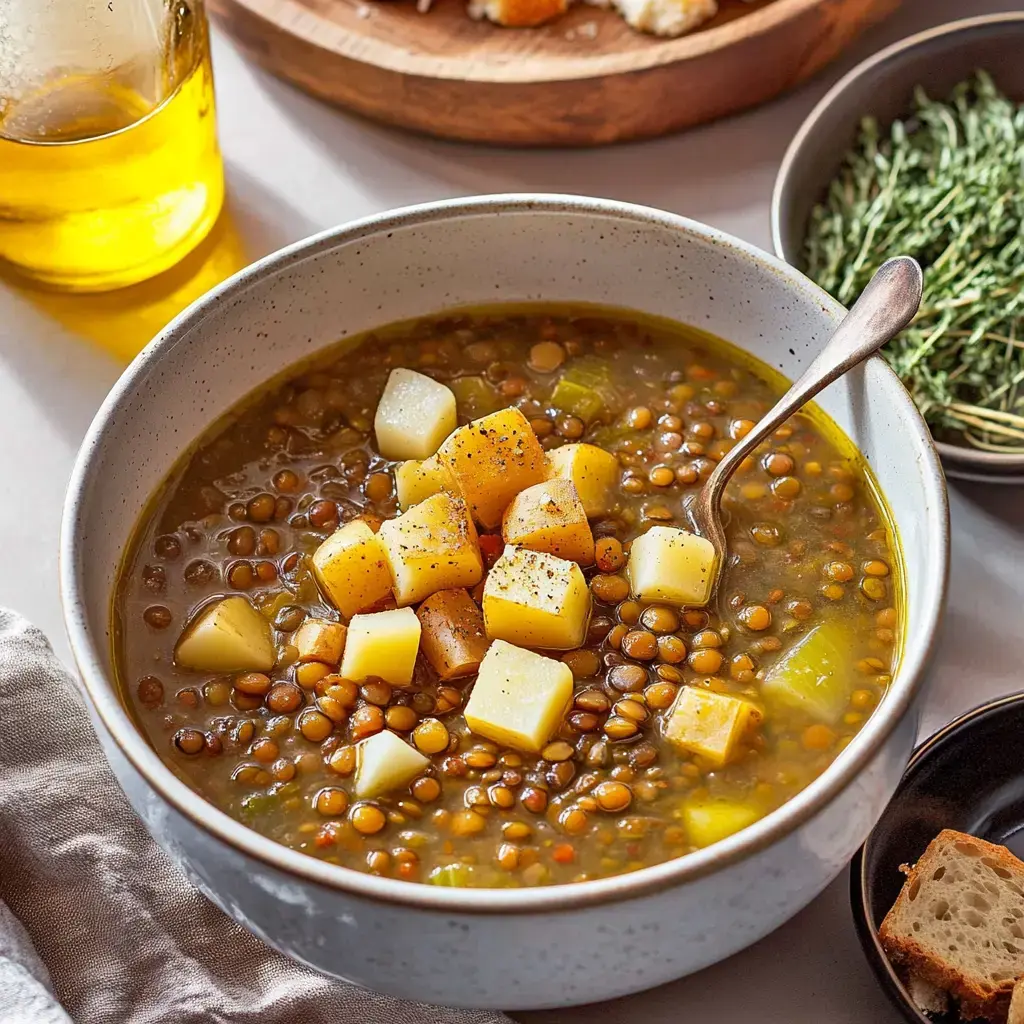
523 13
1016 1014
976 998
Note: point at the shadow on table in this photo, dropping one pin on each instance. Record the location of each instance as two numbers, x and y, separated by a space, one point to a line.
809 971
122 322
1000 501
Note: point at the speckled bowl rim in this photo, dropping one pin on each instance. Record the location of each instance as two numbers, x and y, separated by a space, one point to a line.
960 461
860 883
88 651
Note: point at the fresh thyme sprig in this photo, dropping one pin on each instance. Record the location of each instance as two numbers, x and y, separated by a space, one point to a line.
947 187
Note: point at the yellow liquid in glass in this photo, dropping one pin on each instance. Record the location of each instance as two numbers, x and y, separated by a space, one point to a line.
99 187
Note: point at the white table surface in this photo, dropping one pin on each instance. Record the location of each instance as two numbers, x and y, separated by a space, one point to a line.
295 166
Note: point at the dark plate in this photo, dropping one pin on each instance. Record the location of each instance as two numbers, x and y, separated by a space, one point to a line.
969 776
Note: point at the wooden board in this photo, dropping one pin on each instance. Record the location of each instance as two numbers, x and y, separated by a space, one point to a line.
584 79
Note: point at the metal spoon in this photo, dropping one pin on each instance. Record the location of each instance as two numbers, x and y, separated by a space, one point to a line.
885 307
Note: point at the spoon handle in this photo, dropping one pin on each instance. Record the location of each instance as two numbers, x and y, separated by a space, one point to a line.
885 307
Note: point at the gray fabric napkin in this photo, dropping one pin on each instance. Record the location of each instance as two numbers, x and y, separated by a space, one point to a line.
124 937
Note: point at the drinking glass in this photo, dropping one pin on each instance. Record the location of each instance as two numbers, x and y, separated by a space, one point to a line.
109 166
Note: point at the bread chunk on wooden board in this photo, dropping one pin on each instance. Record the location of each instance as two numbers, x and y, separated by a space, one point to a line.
958 923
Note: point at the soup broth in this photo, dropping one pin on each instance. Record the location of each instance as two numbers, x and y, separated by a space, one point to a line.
677 725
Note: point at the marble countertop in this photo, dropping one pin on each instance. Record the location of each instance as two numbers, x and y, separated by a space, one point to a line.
295 166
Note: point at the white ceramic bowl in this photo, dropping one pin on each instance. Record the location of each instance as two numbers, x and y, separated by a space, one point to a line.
499 948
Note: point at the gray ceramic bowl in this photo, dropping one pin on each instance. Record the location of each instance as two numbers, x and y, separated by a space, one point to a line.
501 947
883 86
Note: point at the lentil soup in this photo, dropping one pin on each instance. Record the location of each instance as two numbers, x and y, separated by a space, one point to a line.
441 653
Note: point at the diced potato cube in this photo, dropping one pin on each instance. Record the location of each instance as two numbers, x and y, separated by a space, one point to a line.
816 675
417 481
550 517
382 645
671 565
592 470
535 599
710 820
710 724
492 459
351 567
228 635
432 547
319 640
453 639
415 414
519 697
385 762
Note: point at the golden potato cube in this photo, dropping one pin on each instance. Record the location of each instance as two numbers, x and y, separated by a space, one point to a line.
519 697
709 724
535 599
492 459
319 640
228 635
671 565
382 645
593 471
351 567
710 820
385 762
432 547
415 414
453 639
417 481
550 517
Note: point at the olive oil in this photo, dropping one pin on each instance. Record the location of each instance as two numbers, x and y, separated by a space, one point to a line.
108 179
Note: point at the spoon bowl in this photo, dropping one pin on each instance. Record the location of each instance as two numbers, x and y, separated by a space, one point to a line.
888 303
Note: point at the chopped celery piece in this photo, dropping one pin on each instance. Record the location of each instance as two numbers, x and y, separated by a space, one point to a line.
258 804
453 875
816 675
577 399
585 389
711 820
477 876
474 397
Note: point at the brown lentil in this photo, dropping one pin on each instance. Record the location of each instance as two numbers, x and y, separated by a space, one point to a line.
671 649
627 678
255 683
150 691
609 589
430 736
284 698
660 695
640 644
613 797
365 721
609 555
367 818
797 506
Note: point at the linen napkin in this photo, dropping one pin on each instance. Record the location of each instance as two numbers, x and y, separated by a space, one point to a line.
108 926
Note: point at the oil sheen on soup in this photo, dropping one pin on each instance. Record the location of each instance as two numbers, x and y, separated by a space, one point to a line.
470 673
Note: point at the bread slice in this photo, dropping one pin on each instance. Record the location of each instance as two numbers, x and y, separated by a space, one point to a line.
1016 1015
959 923
927 997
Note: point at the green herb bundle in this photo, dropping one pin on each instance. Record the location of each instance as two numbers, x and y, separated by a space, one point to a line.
947 187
